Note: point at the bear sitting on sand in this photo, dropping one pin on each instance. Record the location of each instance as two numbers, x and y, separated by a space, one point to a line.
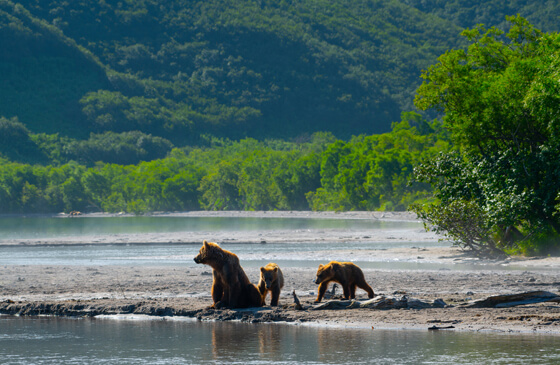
347 274
271 281
231 287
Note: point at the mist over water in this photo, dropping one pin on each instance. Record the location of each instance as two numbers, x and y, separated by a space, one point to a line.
48 227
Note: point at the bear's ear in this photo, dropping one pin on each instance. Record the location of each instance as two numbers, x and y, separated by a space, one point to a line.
276 269
205 243
262 269
320 266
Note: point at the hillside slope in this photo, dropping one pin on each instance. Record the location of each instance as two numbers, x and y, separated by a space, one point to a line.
248 68
236 69
43 73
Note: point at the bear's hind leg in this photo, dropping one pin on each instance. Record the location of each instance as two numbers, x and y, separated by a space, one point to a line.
368 289
255 297
217 291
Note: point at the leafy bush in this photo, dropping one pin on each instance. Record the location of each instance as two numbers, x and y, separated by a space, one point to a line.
501 103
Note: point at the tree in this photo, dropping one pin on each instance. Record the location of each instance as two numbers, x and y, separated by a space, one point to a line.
501 102
15 142
219 188
181 191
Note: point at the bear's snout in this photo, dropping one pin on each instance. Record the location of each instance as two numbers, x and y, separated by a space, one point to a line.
196 260
317 281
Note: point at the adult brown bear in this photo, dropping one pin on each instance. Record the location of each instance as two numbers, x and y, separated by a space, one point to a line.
231 287
272 280
347 274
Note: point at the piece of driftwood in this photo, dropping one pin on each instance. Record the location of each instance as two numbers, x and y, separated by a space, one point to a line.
297 303
512 300
330 294
435 328
334 304
381 302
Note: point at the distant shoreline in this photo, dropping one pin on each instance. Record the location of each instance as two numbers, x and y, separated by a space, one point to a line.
262 236
376 215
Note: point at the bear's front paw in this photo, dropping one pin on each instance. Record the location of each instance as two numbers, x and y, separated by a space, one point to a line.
219 305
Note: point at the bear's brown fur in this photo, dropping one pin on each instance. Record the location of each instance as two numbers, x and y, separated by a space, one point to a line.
231 287
271 281
347 274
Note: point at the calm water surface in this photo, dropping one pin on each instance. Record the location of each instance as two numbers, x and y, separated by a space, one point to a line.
106 341
49 227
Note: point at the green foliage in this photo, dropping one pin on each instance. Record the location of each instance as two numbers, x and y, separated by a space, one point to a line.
103 90
464 223
16 143
467 13
501 100
372 172
43 73
120 148
180 69
320 173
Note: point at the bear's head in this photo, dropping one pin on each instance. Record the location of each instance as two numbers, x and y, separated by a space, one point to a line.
324 273
209 252
269 276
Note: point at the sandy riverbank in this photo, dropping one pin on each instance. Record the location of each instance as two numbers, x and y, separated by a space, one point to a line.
165 291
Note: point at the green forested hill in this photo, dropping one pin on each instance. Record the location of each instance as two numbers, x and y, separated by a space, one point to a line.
266 68
467 13
227 68
262 68
44 74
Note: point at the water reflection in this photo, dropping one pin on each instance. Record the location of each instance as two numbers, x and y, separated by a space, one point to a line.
48 227
103 341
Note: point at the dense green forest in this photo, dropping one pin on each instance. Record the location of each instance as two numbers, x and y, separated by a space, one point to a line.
367 172
218 104
233 69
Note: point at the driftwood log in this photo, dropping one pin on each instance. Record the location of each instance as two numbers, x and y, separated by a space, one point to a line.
497 301
512 300
435 328
381 302
330 294
297 303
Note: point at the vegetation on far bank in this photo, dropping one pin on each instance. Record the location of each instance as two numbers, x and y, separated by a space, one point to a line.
499 190
323 173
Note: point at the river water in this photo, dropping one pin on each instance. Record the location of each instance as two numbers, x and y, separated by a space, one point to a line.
48 227
129 340
293 254
113 341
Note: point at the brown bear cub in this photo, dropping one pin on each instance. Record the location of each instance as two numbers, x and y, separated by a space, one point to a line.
348 275
231 287
271 281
